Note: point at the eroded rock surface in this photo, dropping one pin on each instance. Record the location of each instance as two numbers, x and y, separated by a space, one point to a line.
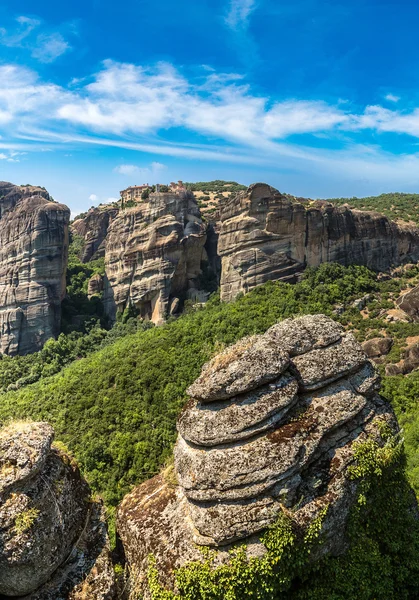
265 235
377 348
33 262
409 303
270 426
153 254
53 540
93 228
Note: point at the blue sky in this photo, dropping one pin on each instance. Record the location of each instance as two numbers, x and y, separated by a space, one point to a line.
316 98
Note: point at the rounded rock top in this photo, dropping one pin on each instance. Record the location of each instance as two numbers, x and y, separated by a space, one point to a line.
24 447
248 364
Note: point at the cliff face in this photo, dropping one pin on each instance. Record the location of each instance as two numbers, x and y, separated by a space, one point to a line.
271 428
94 229
266 236
153 255
33 261
53 540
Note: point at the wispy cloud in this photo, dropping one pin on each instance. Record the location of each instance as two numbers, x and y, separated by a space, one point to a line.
237 19
32 34
238 14
93 198
49 47
235 124
392 98
151 170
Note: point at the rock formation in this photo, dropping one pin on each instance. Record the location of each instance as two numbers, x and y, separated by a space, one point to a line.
265 235
409 303
153 255
95 286
270 427
377 348
33 262
53 541
93 228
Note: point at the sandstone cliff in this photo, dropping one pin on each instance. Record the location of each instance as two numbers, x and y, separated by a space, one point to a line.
93 228
153 256
53 540
265 235
271 428
33 261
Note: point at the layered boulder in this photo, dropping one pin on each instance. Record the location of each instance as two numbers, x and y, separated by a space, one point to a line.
153 255
271 426
33 262
53 539
265 235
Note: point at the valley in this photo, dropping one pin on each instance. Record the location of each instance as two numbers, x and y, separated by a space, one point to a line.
152 292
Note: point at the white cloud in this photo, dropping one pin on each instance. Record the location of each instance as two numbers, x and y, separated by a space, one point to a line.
236 124
93 198
49 47
152 170
45 46
239 12
127 169
25 27
10 157
392 98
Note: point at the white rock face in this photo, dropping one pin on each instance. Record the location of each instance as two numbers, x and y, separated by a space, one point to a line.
153 254
33 262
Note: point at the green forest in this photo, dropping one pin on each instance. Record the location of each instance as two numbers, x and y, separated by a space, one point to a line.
113 395
394 205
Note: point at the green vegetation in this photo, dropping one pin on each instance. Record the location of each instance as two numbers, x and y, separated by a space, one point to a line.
218 186
116 408
79 313
382 562
113 398
394 205
25 520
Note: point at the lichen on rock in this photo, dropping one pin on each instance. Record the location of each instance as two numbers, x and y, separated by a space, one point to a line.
52 534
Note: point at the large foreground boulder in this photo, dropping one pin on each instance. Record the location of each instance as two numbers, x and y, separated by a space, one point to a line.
53 540
271 430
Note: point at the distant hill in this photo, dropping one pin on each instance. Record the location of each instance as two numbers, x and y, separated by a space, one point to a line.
394 205
210 193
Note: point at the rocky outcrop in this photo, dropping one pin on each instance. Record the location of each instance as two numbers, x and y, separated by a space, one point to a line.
377 348
409 303
53 540
93 228
270 427
408 363
95 286
265 235
33 262
153 255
